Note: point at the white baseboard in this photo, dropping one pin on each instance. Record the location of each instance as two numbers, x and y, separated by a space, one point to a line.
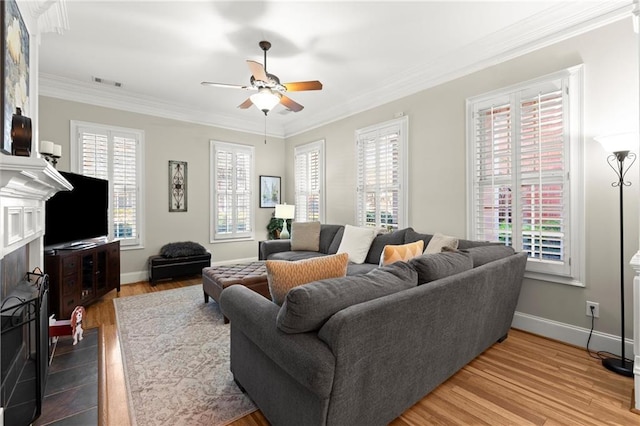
134 277
571 334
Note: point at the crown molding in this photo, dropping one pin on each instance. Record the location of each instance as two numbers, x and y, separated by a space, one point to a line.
89 93
543 29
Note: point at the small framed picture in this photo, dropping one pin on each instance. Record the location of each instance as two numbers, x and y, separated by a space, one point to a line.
177 186
269 191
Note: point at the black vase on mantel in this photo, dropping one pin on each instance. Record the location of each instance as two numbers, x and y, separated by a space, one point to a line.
20 134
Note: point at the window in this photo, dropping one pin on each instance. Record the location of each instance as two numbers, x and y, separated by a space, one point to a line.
232 208
382 175
309 181
115 154
525 159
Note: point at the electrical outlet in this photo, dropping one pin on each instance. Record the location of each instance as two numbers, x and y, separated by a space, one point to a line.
596 309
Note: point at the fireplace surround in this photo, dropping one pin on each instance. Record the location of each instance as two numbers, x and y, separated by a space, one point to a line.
25 184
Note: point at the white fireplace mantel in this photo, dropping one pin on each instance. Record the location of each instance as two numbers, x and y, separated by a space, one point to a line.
25 184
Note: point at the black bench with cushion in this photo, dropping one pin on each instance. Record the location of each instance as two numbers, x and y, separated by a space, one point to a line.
178 259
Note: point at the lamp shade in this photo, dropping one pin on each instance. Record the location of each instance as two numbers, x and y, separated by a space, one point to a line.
618 142
265 99
285 211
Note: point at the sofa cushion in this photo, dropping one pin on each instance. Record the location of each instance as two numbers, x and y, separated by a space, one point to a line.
380 241
330 236
295 255
308 307
488 253
439 241
360 268
465 244
305 236
284 275
182 249
411 236
356 241
431 267
401 253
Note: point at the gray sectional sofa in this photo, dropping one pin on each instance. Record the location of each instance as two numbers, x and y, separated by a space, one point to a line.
331 235
362 349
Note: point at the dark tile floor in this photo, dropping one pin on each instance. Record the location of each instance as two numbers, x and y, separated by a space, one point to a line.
71 393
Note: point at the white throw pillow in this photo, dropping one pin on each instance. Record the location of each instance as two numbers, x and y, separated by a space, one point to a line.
356 242
438 241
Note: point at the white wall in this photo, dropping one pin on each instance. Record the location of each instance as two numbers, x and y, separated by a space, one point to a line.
438 172
168 140
437 167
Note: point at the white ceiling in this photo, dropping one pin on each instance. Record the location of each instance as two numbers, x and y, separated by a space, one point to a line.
365 53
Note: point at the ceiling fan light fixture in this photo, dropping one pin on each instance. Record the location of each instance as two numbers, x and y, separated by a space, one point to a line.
265 100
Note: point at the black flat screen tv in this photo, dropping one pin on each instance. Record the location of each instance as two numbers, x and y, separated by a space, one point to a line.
74 217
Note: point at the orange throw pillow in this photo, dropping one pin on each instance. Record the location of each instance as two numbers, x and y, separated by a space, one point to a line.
401 253
283 275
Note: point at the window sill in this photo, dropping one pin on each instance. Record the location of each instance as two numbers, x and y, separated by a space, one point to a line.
232 240
557 279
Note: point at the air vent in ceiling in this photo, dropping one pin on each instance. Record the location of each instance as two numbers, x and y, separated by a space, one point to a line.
107 82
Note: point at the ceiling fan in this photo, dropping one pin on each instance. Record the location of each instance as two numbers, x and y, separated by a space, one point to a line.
269 90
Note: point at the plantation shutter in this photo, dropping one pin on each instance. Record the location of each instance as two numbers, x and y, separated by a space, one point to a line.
542 176
520 189
493 174
308 182
113 155
378 170
233 190
95 154
124 185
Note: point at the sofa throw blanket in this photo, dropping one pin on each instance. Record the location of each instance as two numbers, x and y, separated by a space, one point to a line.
182 249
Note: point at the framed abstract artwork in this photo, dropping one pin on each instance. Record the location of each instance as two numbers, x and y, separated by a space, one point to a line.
177 186
269 191
14 72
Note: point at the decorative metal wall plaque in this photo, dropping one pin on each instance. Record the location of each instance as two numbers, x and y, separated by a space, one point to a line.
177 186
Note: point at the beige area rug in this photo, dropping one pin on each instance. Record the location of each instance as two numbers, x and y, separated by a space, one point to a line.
176 355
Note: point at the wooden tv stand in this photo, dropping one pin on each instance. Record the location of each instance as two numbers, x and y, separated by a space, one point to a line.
81 276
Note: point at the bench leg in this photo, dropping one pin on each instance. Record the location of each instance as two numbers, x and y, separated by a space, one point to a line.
206 297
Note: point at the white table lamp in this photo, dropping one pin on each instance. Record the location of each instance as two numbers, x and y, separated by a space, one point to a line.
284 212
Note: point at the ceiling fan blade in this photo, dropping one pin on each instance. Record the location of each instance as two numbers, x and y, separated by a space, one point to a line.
290 104
246 104
298 86
257 70
227 86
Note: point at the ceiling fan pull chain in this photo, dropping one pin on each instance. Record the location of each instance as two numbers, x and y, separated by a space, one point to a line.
265 129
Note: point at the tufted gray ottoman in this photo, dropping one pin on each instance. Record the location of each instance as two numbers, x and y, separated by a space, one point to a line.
251 275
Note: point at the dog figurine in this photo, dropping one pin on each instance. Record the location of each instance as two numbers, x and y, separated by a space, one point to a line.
76 324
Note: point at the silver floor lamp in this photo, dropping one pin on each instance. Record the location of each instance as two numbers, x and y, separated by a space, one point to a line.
620 145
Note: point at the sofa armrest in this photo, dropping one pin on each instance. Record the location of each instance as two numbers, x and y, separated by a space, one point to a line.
270 247
303 356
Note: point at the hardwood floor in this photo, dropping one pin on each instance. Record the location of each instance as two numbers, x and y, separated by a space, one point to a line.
526 380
